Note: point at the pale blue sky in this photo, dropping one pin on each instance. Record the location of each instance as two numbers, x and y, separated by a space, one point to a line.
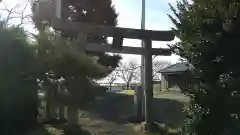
130 17
156 13
156 19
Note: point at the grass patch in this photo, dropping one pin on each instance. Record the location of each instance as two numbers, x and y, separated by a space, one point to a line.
172 95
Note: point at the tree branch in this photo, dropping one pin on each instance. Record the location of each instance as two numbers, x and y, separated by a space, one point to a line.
159 65
128 71
13 14
22 15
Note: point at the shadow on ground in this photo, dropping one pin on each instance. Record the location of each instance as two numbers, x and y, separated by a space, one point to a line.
38 130
168 111
119 108
113 107
57 127
71 129
109 115
75 130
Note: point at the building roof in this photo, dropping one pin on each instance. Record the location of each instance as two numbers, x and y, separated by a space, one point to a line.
177 68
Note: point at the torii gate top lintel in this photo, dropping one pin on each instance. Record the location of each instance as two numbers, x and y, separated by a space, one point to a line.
51 10
113 31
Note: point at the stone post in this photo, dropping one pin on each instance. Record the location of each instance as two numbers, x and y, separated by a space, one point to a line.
138 98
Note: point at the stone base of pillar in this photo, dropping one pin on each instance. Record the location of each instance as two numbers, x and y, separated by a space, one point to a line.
146 127
163 90
154 127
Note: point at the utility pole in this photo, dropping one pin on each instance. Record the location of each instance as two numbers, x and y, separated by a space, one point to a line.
143 14
142 62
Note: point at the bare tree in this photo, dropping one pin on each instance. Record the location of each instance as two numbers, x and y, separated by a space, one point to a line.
157 66
129 72
16 13
111 78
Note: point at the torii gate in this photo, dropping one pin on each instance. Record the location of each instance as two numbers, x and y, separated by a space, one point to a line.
51 10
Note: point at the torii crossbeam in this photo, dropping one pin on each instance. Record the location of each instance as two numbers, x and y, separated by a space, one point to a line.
50 10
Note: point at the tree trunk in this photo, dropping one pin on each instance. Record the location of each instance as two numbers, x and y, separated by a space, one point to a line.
49 104
54 100
160 87
61 111
128 86
72 114
61 106
72 106
110 86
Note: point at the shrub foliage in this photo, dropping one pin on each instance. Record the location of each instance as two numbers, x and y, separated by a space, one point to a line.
209 39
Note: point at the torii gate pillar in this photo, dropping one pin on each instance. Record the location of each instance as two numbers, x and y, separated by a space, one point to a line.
148 84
